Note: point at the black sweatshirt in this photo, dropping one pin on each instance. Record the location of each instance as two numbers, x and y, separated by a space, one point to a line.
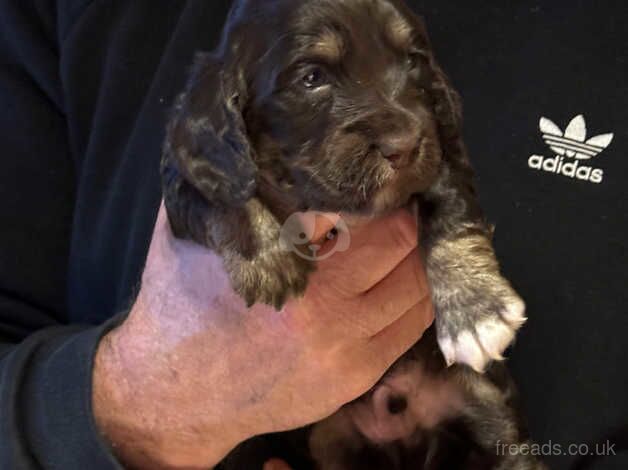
85 88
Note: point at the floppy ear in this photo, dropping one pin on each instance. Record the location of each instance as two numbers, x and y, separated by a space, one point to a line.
208 172
207 140
456 172
447 102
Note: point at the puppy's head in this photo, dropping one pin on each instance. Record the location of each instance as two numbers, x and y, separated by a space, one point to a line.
334 105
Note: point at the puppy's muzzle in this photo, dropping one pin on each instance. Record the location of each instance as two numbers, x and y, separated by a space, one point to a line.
400 149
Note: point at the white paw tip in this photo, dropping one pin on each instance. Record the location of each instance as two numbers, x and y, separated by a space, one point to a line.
448 349
476 349
494 337
515 312
469 352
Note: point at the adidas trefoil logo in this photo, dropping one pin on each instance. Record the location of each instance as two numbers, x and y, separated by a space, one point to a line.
568 145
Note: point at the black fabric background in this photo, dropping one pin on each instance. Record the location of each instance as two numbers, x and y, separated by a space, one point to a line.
85 88
561 241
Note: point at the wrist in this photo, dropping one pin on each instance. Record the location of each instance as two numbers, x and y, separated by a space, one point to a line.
136 408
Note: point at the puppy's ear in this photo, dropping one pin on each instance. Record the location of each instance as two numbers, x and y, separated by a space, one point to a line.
447 102
208 172
207 141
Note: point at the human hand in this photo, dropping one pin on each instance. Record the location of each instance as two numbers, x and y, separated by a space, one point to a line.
192 372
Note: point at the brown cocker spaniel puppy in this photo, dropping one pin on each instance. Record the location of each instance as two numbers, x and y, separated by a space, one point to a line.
339 105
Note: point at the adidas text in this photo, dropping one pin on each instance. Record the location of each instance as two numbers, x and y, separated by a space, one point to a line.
570 168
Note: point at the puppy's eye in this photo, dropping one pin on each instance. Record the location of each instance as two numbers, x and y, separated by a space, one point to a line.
314 78
415 59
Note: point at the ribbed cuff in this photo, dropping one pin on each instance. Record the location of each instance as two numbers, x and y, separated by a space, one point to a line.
48 383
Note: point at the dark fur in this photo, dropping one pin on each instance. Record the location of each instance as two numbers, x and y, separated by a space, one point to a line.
249 145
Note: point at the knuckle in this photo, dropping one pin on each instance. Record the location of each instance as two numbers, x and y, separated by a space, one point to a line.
359 325
425 318
372 317
418 269
429 313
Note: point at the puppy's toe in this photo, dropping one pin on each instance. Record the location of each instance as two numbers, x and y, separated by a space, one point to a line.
514 313
494 336
485 341
464 349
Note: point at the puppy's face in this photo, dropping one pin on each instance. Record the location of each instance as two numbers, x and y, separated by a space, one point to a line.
340 102
335 105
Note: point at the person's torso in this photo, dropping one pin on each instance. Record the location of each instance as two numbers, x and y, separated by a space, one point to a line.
543 83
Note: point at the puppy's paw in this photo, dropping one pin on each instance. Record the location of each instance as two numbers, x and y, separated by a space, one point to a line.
477 311
478 327
271 278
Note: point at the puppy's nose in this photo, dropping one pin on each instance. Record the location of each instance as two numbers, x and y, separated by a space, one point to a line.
388 402
397 404
398 149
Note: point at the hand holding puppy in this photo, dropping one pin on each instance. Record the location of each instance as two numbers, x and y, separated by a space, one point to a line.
192 372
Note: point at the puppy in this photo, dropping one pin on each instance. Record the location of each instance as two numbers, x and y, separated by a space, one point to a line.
340 106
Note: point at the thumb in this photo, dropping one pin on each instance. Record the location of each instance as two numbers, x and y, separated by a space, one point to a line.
276 464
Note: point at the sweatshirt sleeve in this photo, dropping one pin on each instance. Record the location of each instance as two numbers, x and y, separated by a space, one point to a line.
46 420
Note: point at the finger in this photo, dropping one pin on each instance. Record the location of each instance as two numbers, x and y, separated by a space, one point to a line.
392 342
375 249
276 464
392 297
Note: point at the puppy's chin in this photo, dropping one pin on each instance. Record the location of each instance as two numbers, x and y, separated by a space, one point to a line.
394 195
399 189
394 190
